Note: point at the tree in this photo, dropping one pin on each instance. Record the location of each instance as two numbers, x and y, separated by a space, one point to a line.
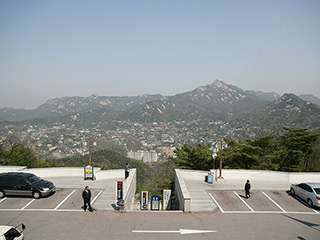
241 154
296 147
20 155
197 158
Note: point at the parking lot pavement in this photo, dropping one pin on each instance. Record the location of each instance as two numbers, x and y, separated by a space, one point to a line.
61 200
260 202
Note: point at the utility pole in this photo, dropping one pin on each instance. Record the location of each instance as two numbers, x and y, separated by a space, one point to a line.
221 145
90 141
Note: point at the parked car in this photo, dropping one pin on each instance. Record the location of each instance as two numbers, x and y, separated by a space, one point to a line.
12 233
24 184
310 192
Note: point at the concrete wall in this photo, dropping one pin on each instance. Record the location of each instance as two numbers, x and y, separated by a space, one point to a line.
65 172
262 175
130 190
181 191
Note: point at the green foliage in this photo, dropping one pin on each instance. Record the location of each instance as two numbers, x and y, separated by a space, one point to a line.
198 158
295 150
19 155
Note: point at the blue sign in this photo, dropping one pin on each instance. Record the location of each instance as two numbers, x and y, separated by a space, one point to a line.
155 202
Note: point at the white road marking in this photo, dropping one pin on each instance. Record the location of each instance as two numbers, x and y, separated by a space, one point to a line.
215 201
274 202
98 195
28 204
181 231
41 210
244 202
304 203
64 200
3 199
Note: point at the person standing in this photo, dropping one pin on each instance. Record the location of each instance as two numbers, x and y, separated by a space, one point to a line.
86 195
126 170
247 188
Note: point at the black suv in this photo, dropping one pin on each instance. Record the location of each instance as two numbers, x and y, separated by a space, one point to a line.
26 184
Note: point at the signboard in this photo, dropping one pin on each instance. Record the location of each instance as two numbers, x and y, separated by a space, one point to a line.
155 202
120 193
166 199
144 200
88 173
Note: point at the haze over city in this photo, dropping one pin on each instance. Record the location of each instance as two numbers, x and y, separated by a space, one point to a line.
54 49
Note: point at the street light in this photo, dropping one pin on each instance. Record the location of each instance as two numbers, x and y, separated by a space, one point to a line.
90 141
222 145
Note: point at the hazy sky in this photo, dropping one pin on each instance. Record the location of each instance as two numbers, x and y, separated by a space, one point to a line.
130 47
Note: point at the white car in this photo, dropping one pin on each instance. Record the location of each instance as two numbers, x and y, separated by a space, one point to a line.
12 233
310 192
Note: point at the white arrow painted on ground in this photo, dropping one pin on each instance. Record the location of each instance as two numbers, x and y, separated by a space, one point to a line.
181 231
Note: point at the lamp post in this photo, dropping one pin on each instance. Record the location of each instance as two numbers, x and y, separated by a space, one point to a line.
222 145
90 141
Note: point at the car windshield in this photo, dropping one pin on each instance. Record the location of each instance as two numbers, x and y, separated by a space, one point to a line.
317 190
12 234
33 179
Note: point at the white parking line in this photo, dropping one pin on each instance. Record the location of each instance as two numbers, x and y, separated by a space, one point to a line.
215 201
98 195
274 202
28 204
304 203
260 212
244 202
64 200
3 199
41 210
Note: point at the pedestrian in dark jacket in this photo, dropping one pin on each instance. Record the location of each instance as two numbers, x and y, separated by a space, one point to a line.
86 195
247 187
126 170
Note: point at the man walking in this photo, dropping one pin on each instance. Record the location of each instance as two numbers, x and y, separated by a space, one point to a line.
247 187
86 195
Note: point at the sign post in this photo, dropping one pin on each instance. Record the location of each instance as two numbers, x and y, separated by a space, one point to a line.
120 194
144 200
89 173
166 199
155 202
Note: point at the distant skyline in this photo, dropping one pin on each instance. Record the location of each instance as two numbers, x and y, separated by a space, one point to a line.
62 48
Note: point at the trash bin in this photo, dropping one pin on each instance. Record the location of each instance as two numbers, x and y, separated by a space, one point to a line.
210 178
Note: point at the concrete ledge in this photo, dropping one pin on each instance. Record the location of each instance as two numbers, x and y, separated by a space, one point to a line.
130 190
182 192
268 176
11 168
65 172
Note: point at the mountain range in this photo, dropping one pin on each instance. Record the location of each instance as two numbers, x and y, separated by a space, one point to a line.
217 101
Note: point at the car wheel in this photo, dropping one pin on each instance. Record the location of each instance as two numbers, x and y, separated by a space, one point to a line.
36 194
2 194
292 192
310 203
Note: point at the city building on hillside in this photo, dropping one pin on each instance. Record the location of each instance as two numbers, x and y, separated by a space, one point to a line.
145 156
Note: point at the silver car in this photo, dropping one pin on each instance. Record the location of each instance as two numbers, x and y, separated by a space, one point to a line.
310 192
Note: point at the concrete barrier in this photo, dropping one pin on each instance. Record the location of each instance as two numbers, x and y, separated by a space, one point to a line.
181 191
11 168
130 190
269 176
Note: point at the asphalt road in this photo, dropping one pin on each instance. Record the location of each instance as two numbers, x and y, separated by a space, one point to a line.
117 226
